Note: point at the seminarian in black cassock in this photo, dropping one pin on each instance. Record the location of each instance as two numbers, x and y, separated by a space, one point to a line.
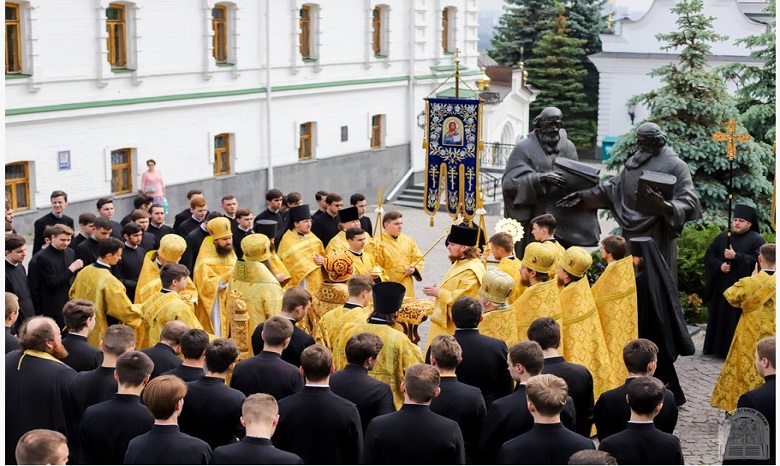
254 450
659 313
763 399
642 443
36 386
108 427
163 356
463 404
53 280
745 240
40 225
81 355
372 397
612 412
299 341
315 423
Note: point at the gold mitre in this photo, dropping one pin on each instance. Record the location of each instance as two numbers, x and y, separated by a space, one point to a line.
256 247
576 261
171 248
496 286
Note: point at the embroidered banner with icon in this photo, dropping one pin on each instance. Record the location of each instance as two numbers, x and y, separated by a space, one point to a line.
452 157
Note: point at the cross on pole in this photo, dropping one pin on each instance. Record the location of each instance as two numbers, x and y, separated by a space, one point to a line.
731 138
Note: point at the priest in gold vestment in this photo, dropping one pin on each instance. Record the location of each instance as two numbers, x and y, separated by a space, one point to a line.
540 299
348 218
398 254
332 294
213 270
755 295
543 230
259 290
462 279
498 317
168 305
502 246
96 283
583 340
353 311
398 352
268 228
171 249
363 262
303 255
615 295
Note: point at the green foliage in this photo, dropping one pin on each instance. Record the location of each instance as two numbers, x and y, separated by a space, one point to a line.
596 267
757 92
520 27
692 105
558 70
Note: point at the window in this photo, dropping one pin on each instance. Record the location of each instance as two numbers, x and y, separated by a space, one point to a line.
17 185
376 132
121 171
219 24
344 133
377 33
221 154
448 30
305 149
305 23
117 35
13 41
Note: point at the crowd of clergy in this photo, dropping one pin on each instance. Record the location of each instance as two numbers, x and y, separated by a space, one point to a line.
286 338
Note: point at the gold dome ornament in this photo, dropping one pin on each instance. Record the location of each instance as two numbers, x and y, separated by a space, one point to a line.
512 227
339 268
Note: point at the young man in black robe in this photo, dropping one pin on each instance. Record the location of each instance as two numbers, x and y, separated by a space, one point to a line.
79 315
16 277
59 200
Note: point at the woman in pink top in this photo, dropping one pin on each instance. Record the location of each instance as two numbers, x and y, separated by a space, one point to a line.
152 182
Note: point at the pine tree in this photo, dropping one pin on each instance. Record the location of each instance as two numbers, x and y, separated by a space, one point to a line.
756 95
690 107
557 70
520 27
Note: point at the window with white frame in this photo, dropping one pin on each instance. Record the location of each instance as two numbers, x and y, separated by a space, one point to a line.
120 35
222 154
309 23
306 141
448 30
379 30
377 131
13 38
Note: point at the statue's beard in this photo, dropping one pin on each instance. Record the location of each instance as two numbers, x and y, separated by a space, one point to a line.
550 140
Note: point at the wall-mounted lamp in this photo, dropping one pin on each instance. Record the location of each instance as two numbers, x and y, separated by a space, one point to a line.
632 113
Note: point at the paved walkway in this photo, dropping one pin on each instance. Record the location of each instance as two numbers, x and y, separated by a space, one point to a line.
698 422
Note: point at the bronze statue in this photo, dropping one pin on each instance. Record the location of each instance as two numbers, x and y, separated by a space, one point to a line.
652 195
529 180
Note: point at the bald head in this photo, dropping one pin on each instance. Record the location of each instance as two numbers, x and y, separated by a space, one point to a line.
39 333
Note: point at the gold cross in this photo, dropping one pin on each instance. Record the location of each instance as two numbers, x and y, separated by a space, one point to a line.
731 137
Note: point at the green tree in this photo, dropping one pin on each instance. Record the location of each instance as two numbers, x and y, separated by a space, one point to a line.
557 70
690 107
757 91
519 28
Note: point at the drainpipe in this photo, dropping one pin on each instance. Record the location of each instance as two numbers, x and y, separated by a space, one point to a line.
268 93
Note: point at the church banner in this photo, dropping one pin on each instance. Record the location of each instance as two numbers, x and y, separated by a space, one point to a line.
452 158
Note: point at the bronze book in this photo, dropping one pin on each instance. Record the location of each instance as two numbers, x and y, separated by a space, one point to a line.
660 182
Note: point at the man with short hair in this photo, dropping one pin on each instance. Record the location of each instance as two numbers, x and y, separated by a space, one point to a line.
348 218
11 314
547 332
642 442
399 351
540 299
611 412
105 209
164 354
242 227
543 231
755 295
186 213
462 279
215 263
165 443
86 228
42 446
372 397
509 417
498 317
266 372
260 416
763 399
54 269
273 200
415 434
208 398
79 315
548 442
140 202
157 225
141 217
129 267
615 296
296 304
484 358
457 401
193 347
171 249
59 200
16 276
326 226
37 369
198 212
320 197
359 200
168 305
502 246
398 254
102 439
229 207
88 249
352 312
96 283
316 424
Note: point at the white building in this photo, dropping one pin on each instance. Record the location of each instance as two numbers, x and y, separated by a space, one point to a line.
229 97
632 51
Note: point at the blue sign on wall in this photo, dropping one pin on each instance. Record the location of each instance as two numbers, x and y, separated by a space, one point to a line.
63 157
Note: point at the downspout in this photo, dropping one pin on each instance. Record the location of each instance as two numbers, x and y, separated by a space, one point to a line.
268 93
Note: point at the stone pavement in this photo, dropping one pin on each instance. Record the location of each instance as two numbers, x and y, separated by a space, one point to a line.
698 422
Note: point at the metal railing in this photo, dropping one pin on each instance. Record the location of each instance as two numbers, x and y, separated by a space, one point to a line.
495 155
489 185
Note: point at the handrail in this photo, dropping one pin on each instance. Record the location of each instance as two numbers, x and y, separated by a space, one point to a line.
488 184
495 154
